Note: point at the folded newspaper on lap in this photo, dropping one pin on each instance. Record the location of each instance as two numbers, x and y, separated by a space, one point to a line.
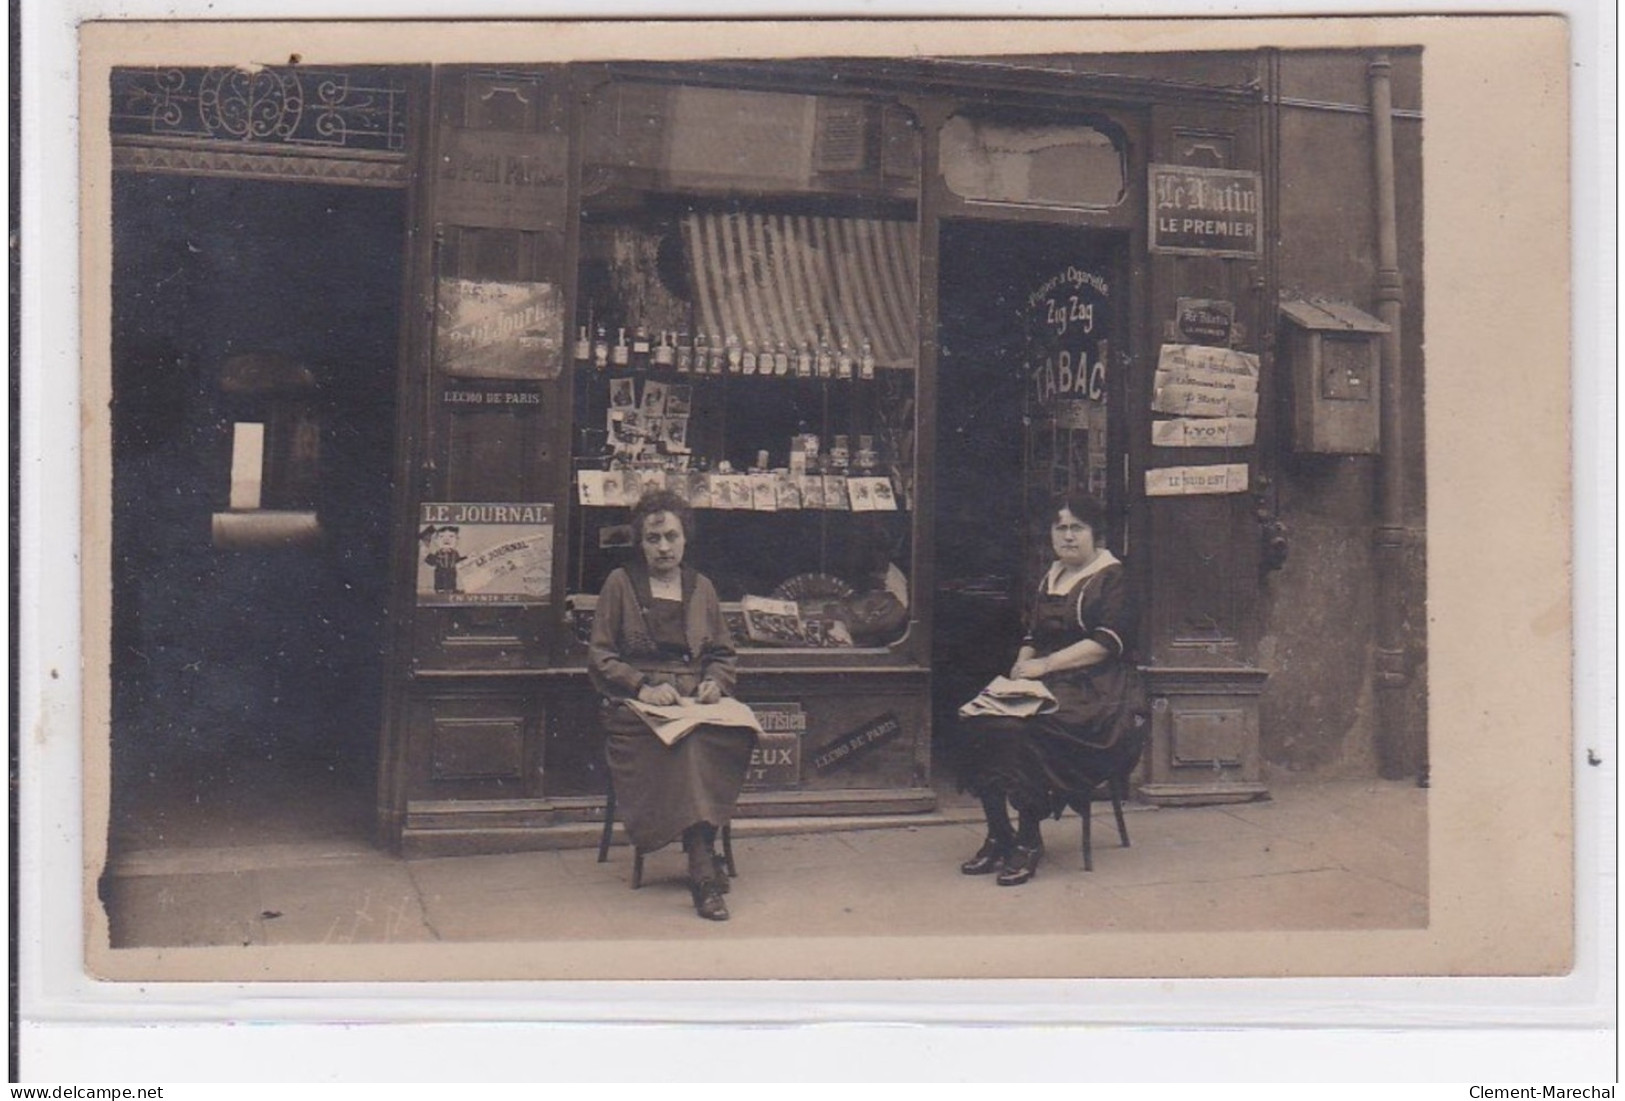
671 723
1020 699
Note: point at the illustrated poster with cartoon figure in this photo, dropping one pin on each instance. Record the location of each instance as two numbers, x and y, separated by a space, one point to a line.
488 553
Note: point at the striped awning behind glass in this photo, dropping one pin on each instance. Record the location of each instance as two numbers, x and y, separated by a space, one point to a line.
771 277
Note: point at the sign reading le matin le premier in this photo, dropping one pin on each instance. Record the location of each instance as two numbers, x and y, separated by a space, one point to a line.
1205 211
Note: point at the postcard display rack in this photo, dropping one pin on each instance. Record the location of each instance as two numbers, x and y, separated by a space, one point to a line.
712 292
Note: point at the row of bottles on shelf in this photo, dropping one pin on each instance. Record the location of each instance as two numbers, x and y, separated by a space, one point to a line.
705 354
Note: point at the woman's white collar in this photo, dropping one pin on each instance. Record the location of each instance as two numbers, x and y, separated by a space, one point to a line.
1103 559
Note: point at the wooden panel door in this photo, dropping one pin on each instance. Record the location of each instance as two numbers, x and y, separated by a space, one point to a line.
497 391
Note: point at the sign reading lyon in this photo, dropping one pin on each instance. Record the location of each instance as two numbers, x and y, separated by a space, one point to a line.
1206 211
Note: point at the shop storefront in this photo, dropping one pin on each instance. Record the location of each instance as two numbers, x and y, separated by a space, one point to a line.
866 318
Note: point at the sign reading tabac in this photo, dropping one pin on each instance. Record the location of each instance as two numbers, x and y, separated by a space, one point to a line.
485 553
1069 322
1206 211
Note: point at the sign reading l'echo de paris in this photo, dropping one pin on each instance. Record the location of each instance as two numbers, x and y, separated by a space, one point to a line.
1206 211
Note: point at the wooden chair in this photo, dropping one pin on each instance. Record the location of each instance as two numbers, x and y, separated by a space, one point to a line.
1082 802
1117 784
637 853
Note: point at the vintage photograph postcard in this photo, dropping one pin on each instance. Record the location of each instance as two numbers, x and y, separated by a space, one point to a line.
1206 377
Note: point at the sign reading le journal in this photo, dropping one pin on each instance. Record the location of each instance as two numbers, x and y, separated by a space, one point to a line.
1205 211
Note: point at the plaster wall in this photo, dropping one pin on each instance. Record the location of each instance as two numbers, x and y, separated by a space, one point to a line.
1318 714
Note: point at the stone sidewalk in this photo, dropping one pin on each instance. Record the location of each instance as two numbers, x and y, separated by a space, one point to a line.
1340 855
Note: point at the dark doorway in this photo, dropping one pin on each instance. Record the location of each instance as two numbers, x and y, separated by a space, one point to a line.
1019 385
247 680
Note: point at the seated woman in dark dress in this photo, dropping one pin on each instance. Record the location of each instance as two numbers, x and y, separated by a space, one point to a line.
658 635
1078 640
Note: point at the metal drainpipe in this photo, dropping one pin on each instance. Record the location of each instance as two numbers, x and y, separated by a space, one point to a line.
1396 757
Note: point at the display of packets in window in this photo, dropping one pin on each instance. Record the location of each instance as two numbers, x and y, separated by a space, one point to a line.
632 432
655 399
776 491
648 420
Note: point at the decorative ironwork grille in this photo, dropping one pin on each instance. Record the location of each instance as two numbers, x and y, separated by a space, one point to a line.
356 110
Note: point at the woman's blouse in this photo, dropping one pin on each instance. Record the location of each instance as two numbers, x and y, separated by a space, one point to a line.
634 639
1093 606
666 628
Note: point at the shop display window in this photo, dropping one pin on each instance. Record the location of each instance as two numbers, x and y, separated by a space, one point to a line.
746 336
760 362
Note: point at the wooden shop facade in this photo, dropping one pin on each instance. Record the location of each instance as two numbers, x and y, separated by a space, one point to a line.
866 316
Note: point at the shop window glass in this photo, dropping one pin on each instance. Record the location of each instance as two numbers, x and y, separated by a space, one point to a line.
1032 164
760 365
729 140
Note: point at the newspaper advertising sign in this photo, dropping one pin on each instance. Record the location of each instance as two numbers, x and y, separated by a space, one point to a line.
492 395
776 760
1213 392
498 330
1194 481
1206 211
1208 366
1205 321
502 179
1204 432
847 748
493 553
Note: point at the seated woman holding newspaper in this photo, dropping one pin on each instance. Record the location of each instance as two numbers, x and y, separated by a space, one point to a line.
1073 713
658 641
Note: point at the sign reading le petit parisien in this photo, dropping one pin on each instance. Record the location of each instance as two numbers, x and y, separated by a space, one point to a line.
1205 211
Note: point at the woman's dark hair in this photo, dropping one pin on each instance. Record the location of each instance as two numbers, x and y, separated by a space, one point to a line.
661 500
1084 507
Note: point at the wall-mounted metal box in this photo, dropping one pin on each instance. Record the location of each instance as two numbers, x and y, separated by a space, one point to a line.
1334 354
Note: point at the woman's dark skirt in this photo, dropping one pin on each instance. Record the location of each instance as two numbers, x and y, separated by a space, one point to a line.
1039 763
662 790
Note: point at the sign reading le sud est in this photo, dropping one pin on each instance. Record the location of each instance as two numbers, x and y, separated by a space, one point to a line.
1206 211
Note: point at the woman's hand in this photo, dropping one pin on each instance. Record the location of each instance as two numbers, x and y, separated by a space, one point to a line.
708 691
658 695
1030 669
